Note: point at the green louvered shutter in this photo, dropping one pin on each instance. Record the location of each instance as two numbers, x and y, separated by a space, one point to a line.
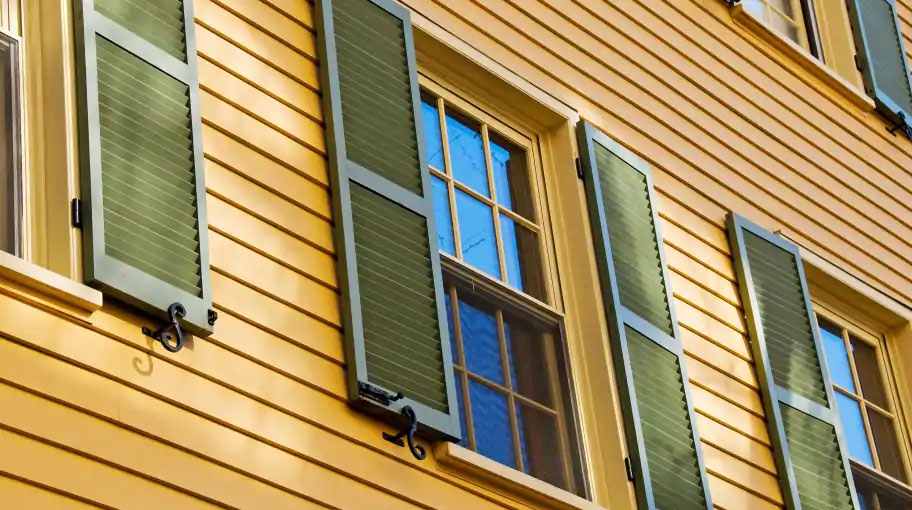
798 398
144 218
662 438
882 57
394 315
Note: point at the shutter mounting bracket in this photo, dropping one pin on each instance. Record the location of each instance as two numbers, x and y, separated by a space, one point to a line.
903 124
418 451
76 212
175 312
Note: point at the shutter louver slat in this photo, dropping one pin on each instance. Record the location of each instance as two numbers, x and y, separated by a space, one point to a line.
647 354
144 223
160 22
798 398
143 186
396 337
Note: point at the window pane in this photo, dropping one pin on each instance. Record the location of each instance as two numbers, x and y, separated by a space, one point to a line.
836 357
431 120
491 418
476 232
884 432
784 26
442 216
755 7
467 152
872 386
521 254
9 178
480 342
854 430
541 445
511 179
528 364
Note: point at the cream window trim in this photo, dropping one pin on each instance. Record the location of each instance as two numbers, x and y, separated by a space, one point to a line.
18 275
50 136
777 45
465 463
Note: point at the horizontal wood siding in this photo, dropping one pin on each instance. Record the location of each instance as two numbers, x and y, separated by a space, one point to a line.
98 416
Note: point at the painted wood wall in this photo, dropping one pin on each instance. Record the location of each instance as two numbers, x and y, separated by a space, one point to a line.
96 416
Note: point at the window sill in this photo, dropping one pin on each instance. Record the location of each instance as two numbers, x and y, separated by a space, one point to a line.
800 56
476 468
22 277
882 482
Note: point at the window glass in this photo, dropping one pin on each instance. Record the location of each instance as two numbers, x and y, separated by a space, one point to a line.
9 146
517 414
476 232
491 222
868 419
467 152
431 120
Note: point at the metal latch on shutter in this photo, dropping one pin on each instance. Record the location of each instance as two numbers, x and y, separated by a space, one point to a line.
628 466
386 398
903 124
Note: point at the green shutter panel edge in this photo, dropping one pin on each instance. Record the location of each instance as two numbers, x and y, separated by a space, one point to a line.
394 314
882 57
662 436
797 395
142 179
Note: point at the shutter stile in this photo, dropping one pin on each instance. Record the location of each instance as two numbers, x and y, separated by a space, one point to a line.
394 316
144 235
647 353
798 398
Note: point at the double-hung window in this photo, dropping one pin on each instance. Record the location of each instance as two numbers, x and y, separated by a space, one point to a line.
512 381
10 150
865 397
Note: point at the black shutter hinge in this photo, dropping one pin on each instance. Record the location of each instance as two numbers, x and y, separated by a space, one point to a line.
903 124
377 394
857 61
76 212
212 316
628 466
579 168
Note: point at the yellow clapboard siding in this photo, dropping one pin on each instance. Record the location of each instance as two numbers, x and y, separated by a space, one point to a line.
719 383
686 242
273 279
222 52
263 107
709 327
230 118
256 42
269 241
709 303
688 267
285 215
719 409
736 367
708 231
261 14
727 496
737 444
116 446
301 11
306 186
223 405
93 481
18 495
724 466
268 314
